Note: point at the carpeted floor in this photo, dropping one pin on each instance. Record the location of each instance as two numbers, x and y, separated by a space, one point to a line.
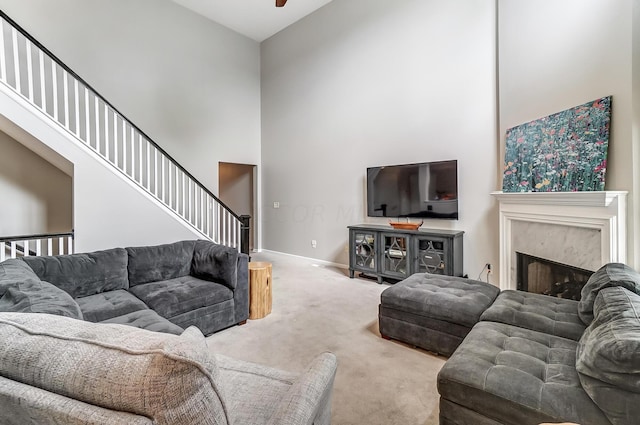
318 308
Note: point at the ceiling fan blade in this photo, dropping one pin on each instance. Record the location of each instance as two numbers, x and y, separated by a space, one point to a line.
280 3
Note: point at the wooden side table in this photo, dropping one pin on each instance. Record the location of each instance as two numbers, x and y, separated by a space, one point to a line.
260 295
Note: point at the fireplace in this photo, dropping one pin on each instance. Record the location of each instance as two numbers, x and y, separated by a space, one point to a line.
582 229
542 276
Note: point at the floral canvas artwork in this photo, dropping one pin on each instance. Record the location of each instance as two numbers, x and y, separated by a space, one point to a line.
564 152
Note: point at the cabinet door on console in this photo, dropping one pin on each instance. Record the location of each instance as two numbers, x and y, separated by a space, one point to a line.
363 251
395 261
431 253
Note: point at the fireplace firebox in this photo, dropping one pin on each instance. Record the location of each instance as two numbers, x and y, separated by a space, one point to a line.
542 276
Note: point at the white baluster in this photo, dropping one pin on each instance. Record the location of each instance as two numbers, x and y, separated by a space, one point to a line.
49 246
43 86
115 140
140 162
155 171
70 244
3 67
97 122
13 249
16 58
76 97
87 117
65 97
3 246
218 222
184 198
190 202
54 95
106 133
29 70
38 247
170 188
26 248
133 154
148 146
163 181
124 146
60 246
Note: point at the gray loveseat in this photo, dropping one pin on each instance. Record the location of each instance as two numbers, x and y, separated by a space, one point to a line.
534 359
164 288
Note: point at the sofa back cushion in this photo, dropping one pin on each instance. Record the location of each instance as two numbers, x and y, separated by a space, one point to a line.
160 262
167 378
83 274
216 263
608 355
612 274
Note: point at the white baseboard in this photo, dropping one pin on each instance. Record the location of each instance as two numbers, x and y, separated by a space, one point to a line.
314 260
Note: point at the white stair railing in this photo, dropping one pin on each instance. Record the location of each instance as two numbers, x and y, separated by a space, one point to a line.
34 73
42 244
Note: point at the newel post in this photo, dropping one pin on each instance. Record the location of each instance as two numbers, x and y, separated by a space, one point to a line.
245 230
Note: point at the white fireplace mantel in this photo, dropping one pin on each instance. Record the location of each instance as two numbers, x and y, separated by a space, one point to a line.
604 211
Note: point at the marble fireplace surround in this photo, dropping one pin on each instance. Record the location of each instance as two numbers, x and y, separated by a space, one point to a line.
581 229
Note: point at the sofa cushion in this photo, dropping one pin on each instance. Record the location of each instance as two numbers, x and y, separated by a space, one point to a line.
106 305
517 376
173 297
608 355
83 274
36 296
160 262
217 263
168 378
146 319
551 315
612 274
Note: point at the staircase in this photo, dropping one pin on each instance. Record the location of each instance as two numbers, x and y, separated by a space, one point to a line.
34 74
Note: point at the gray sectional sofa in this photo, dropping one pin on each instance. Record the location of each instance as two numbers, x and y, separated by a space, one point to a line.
532 358
164 288
66 370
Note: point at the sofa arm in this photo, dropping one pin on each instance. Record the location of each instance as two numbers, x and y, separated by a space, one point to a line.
241 291
308 401
214 262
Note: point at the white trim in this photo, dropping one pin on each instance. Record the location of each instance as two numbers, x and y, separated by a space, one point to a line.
314 260
603 211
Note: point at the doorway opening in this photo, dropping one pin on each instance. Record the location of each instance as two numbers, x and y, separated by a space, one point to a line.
237 189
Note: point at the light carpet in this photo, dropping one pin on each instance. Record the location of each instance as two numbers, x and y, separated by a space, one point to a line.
319 308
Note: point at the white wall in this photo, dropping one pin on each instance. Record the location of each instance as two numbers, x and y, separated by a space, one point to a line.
554 55
363 83
37 195
192 85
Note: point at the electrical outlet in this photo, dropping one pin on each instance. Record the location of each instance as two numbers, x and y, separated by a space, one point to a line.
314 243
276 204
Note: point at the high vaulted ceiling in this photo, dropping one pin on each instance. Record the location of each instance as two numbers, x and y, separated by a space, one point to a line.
257 19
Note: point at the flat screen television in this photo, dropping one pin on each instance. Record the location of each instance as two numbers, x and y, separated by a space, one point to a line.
423 190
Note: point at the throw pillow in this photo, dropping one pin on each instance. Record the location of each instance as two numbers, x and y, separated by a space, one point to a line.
612 274
608 355
167 378
36 296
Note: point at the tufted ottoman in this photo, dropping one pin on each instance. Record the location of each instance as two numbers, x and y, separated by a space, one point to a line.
433 312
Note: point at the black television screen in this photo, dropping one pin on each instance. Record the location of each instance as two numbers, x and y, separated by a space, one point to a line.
424 190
